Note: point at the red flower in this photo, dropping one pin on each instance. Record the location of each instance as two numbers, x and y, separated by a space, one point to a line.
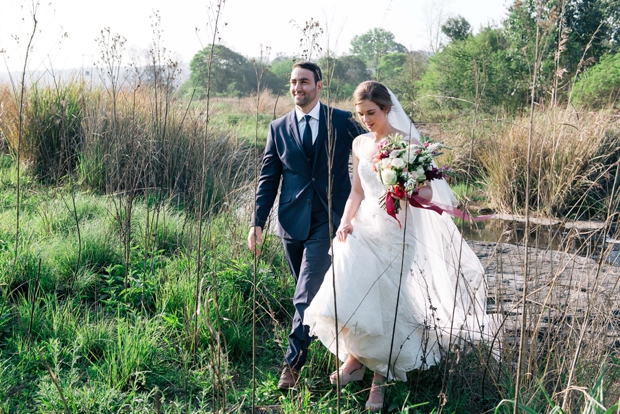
398 191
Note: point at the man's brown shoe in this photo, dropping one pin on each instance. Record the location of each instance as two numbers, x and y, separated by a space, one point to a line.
288 379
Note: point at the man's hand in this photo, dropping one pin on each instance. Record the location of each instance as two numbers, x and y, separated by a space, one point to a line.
255 239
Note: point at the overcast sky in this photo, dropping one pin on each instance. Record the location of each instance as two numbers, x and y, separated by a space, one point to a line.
186 27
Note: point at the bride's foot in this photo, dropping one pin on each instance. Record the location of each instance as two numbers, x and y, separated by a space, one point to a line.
351 370
377 392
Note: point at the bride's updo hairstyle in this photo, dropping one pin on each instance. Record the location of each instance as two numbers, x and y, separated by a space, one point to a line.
375 92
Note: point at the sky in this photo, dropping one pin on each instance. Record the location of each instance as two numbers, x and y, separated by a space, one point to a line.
67 29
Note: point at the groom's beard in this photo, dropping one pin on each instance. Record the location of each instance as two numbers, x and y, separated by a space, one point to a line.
303 98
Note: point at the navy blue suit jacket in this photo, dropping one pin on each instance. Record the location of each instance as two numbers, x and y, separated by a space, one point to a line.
285 159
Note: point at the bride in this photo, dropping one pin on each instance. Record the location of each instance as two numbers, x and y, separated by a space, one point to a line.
404 294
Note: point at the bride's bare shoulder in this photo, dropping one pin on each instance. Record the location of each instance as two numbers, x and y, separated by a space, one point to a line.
361 138
358 141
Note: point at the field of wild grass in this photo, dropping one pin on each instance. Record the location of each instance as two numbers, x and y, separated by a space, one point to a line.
126 285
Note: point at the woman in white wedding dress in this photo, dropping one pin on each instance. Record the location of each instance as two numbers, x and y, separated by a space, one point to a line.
382 316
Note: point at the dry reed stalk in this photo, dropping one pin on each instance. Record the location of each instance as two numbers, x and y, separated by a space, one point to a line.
214 20
20 129
57 385
259 69
330 161
527 223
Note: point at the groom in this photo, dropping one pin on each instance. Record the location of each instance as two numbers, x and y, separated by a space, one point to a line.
297 152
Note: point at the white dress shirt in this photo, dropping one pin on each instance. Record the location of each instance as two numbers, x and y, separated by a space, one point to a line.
315 113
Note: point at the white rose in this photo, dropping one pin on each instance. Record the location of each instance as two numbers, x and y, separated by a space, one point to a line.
388 177
385 163
399 163
420 174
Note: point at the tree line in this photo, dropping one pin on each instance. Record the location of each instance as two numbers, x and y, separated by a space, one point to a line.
572 44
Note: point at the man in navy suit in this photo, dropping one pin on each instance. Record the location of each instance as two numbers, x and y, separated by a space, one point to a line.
300 146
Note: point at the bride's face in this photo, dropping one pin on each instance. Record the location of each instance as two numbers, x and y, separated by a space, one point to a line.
371 115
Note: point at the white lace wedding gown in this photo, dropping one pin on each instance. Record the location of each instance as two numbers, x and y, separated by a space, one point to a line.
442 295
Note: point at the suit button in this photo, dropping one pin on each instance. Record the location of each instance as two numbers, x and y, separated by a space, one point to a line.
313 179
308 159
309 201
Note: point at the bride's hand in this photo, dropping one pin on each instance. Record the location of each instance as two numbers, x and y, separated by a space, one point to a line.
343 230
425 192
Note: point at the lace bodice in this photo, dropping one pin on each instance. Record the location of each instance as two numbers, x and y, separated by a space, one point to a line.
373 188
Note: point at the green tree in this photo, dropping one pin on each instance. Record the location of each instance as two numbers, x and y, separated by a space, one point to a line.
593 27
373 44
282 65
343 74
580 30
520 29
390 66
401 72
281 68
476 68
456 28
231 73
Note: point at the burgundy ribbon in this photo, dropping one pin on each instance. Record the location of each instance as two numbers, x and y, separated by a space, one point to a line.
389 206
420 202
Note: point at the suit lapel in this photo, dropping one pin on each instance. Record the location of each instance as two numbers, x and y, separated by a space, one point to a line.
319 144
294 132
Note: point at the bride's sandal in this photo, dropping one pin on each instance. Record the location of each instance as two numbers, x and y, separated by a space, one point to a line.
375 398
345 378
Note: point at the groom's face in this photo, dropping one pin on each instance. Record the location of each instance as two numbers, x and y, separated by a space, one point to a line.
304 89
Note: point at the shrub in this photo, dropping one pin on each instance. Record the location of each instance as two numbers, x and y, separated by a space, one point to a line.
572 166
600 85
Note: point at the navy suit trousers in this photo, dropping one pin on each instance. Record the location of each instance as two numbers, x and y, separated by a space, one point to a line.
308 260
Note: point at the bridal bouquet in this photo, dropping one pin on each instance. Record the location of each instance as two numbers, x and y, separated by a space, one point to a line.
404 167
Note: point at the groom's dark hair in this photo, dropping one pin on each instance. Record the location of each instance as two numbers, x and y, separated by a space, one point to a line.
312 67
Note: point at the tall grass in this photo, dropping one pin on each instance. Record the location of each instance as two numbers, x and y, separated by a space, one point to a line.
84 322
70 130
574 159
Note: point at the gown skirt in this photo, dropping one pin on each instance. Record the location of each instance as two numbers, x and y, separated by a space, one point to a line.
413 289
